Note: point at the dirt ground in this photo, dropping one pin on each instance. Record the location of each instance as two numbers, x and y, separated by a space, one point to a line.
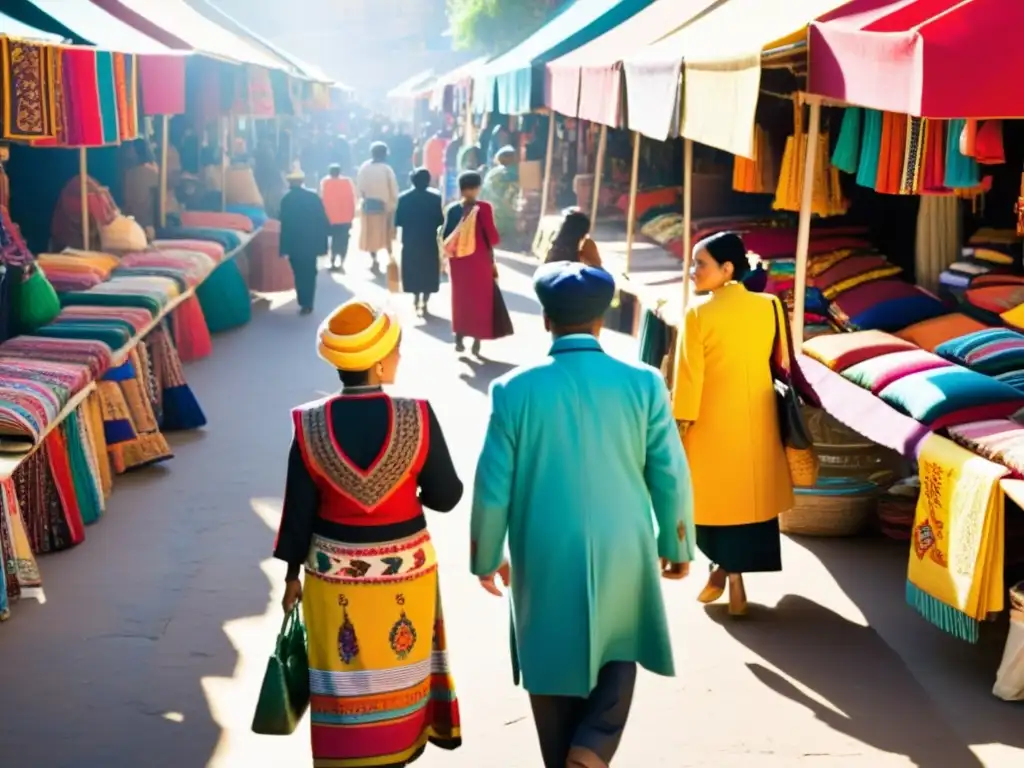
149 649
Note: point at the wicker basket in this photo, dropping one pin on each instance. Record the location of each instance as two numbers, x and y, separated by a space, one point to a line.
896 516
834 509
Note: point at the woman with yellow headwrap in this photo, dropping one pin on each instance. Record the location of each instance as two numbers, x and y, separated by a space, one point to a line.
363 465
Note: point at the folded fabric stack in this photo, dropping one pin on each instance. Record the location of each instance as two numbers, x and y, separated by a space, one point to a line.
114 326
1000 440
76 270
228 239
93 355
193 266
149 292
214 250
216 220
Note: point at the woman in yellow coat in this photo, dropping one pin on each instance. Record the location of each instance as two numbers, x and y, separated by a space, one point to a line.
724 401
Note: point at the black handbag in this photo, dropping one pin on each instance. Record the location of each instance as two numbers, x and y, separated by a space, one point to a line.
797 440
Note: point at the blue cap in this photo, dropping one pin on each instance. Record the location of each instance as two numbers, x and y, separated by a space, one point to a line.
573 293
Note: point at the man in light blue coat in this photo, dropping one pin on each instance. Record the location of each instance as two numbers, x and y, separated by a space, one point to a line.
583 473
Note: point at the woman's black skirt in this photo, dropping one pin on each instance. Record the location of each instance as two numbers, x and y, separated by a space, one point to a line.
750 548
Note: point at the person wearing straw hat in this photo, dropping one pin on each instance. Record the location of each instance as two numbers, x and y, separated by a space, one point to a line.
581 457
304 231
363 467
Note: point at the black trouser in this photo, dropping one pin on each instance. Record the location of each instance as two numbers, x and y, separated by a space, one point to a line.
339 241
304 270
591 725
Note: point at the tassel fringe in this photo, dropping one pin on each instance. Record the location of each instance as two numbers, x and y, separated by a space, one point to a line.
947 618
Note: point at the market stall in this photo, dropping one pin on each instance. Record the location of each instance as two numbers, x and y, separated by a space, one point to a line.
938 382
514 83
91 363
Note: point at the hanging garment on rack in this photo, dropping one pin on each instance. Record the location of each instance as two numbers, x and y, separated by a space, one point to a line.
893 149
870 148
913 156
938 238
846 156
961 172
933 175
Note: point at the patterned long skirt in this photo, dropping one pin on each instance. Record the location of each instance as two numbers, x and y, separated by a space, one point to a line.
378 663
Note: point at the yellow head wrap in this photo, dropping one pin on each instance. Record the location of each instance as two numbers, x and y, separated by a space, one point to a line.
356 336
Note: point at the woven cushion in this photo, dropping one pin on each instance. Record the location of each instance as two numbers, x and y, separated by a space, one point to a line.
841 350
943 397
929 334
893 308
992 351
996 298
853 269
1000 440
879 372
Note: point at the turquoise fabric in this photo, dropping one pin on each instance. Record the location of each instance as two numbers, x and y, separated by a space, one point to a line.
225 298
934 397
961 172
582 456
846 156
108 96
870 148
513 83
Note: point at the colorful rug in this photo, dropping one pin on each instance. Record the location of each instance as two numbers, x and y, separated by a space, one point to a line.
95 355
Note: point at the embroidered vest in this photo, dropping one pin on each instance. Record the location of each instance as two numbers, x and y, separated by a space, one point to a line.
384 493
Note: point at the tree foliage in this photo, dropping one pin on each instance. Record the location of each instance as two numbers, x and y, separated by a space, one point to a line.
493 26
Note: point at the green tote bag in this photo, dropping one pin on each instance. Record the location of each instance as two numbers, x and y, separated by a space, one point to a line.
284 695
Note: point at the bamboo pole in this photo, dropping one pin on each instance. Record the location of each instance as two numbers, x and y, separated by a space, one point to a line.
164 140
544 192
803 232
83 190
634 182
602 145
687 217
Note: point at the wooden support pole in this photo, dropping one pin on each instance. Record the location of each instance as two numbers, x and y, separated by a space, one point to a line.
687 217
224 164
602 145
803 232
634 182
545 190
164 140
83 189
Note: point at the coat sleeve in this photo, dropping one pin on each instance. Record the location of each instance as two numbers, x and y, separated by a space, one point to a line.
301 501
492 490
400 211
689 378
668 478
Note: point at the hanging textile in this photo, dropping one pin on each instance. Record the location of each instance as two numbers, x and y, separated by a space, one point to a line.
756 175
846 156
23 565
27 89
891 153
161 81
913 156
84 114
826 197
260 92
83 481
961 172
938 238
124 90
106 82
60 135
870 149
933 174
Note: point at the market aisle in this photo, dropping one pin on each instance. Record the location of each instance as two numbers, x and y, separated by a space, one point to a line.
151 646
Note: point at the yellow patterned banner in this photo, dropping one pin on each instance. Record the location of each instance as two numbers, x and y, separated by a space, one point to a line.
955 576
